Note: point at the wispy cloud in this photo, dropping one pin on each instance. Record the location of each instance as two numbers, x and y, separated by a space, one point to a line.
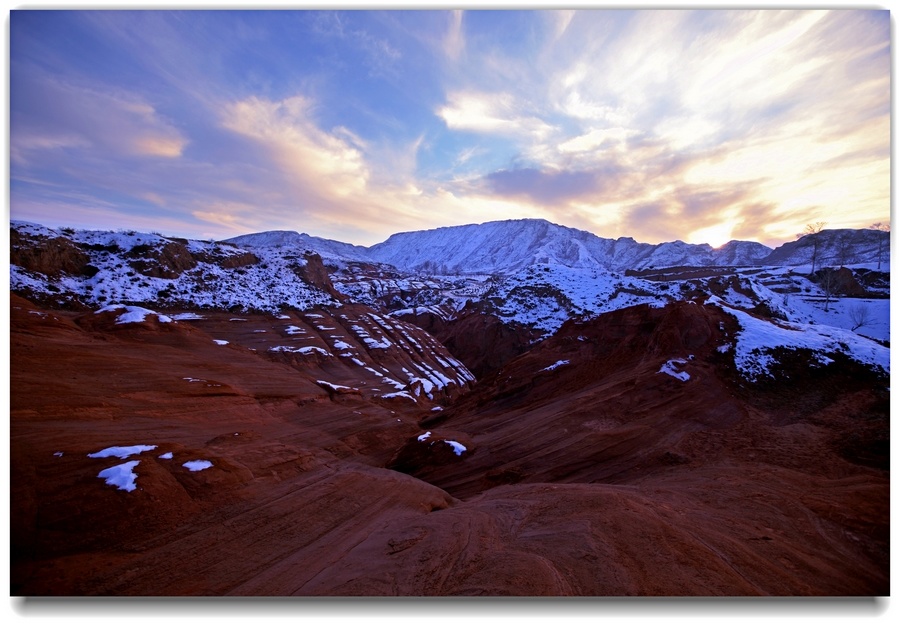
498 114
454 41
654 124
65 115
309 157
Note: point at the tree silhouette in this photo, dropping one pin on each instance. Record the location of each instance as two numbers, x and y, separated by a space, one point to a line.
859 316
829 282
813 230
885 240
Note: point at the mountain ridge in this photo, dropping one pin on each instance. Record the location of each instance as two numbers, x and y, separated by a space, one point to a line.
511 245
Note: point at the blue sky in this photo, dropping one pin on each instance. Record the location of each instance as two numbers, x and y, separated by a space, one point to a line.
661 124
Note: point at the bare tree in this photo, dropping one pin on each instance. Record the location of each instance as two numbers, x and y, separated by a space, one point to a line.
829 282
813 230
885 241
844 249
859 316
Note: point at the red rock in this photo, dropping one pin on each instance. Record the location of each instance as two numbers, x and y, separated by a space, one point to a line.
600 477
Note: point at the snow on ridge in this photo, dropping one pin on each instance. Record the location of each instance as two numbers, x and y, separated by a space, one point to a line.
133 314
333 387
304 350
403 394
122 452
757 339
555 365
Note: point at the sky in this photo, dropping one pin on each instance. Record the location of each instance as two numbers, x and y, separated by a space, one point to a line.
698 125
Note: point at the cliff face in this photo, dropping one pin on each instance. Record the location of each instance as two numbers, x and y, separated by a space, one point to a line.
315 273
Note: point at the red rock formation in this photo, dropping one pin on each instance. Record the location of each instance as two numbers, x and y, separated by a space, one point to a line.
481 341
600 476
315 273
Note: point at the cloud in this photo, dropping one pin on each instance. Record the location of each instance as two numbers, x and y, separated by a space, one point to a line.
496 114
50 114
654 124
320 162
454 41
554 187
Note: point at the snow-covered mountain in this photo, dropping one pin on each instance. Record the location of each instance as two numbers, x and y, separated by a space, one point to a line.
508 246
326 248
505 247
543 275
834 248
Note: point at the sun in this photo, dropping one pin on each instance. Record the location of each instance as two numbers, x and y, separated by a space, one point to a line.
715 235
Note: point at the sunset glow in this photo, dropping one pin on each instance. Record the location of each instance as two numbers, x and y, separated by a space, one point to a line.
698 125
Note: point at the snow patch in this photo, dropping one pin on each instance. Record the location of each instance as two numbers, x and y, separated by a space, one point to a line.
555 365
402 394
671 368
304 350
133 314
458 448
197 465
121 476
333 387
122 451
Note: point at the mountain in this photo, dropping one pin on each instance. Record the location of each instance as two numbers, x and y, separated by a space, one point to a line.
508 246
275 270
284 239
834 248
504 247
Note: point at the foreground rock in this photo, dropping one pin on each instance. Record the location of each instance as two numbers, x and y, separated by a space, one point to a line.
600 475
